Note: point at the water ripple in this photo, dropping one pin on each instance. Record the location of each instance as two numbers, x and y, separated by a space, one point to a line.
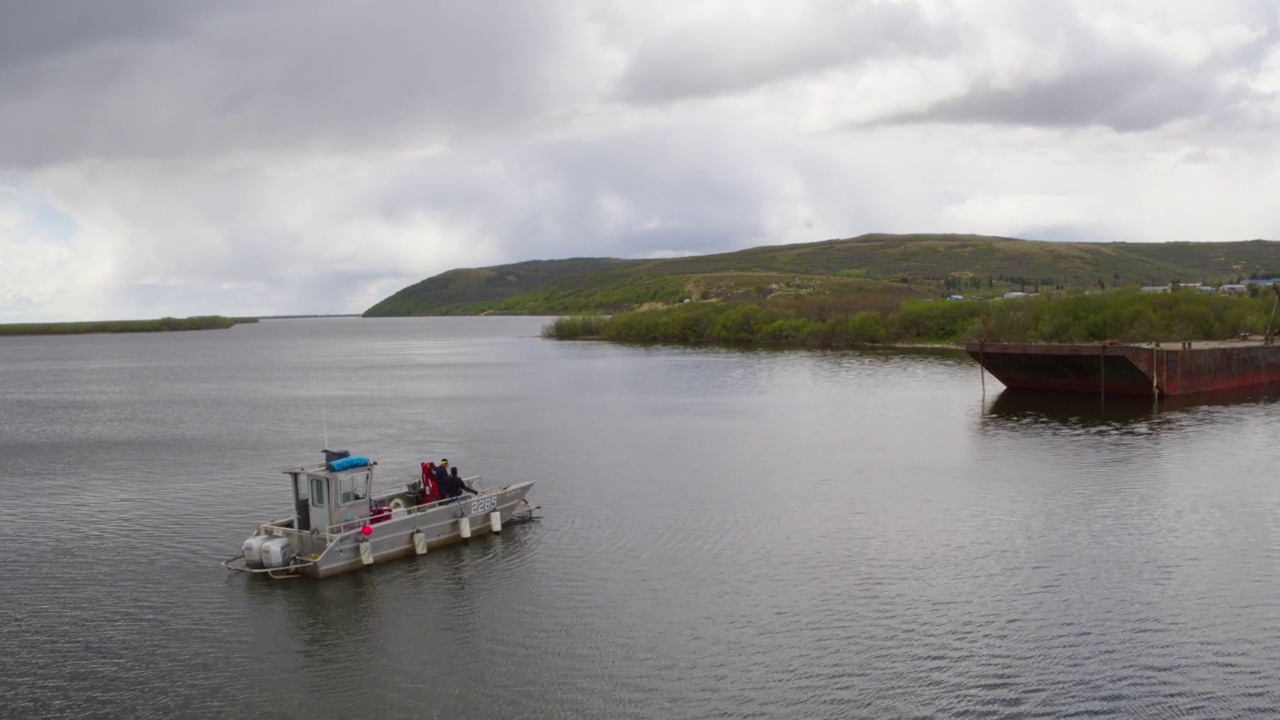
738 535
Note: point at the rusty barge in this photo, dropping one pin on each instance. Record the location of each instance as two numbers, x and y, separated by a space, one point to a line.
1149 369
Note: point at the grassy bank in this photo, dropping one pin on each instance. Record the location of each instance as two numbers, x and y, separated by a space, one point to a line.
166 324
1122 315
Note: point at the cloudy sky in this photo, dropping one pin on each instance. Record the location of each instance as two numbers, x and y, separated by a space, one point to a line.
170 157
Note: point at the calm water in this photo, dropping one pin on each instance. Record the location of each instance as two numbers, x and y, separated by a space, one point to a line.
724 534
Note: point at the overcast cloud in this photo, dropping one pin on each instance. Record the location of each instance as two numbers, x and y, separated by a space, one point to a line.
161 157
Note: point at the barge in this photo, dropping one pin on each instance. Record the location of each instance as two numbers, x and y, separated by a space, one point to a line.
1147 369
339 525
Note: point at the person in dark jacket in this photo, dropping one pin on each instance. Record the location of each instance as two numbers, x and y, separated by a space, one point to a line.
441 471
454 486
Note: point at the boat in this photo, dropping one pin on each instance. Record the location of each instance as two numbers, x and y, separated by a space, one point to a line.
338 525
1145 369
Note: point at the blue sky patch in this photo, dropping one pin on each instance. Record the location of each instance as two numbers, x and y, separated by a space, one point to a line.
36 213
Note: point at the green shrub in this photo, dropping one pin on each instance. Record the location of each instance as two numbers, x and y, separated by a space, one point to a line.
740 325
575 326
1122 315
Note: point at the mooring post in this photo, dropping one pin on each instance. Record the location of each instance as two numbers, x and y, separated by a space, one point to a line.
1155 390
982 368
1102 371
982 361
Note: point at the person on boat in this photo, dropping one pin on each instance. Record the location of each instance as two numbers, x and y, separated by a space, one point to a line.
453 486
441 471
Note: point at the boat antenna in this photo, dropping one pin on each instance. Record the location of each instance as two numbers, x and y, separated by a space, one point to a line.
325 421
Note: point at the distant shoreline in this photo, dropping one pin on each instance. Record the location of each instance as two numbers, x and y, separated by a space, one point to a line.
307 317
167 324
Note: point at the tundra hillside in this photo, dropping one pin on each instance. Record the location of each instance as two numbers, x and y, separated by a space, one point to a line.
871 272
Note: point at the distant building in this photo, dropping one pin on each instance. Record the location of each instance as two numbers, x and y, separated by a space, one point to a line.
1233 289
1013 294
1155 288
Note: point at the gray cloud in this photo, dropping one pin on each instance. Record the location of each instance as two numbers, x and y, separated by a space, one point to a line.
1130 97
33 32
1109 80
628 195
747 47
307 76
294 157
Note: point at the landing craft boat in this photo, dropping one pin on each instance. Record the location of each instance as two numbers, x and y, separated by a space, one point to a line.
1142 369
1149 369
338 525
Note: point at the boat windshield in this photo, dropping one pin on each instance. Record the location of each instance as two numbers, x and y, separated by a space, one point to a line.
354 486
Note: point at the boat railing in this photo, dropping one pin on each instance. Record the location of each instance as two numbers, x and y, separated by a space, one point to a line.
475 481
284 528
342 528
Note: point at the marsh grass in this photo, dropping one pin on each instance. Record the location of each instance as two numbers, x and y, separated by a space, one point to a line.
165 324
576 327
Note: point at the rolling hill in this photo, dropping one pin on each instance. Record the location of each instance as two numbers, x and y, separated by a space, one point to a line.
900 266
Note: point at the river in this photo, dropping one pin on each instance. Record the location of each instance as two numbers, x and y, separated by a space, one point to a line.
723 533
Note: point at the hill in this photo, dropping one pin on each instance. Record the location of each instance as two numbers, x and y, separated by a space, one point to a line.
894 266
458 292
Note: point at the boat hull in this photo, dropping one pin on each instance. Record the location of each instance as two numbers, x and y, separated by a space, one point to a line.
347 547
1151 370
440 525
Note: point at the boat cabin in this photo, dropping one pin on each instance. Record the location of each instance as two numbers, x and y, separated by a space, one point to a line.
325 497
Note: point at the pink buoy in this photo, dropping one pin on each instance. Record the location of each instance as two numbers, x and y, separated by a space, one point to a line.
366 531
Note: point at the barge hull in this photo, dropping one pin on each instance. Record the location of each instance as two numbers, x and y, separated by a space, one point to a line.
1150 370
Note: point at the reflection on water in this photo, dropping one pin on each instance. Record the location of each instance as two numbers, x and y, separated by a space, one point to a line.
1080 409
1086 409
725 533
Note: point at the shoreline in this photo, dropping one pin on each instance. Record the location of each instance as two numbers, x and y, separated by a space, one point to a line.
116 327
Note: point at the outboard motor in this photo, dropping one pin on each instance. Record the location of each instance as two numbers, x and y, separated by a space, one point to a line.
276 552
252 550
